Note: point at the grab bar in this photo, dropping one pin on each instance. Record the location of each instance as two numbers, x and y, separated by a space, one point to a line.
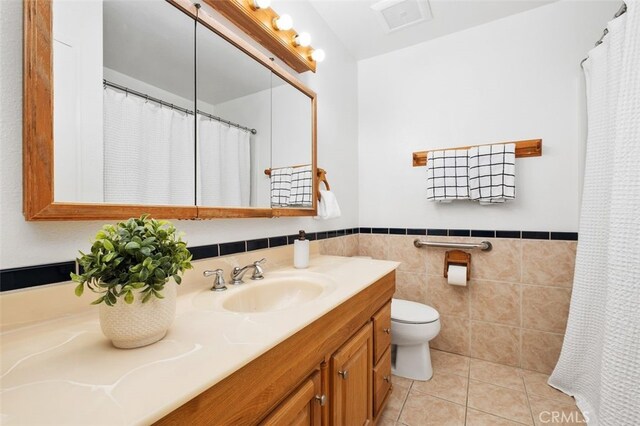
484 245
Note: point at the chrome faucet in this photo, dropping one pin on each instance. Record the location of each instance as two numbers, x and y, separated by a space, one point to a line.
237 273
218 281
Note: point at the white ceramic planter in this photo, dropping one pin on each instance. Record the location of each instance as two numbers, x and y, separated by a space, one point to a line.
139 324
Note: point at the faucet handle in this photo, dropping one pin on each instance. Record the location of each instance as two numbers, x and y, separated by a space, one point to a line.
218 281
257 271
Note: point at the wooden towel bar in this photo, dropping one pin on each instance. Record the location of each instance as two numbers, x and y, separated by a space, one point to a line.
526 148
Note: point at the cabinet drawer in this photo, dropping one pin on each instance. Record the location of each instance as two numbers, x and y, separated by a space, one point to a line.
301 408
381 331
381 381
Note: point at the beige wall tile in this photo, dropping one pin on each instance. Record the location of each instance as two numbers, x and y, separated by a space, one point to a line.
401 249
502 402
411 286
545 308
478 418
446 386
333 246
495 302
548 262
496 343
496 374
448 299
540 350
453 336
502 263
425 410
445 362
373 245
351 245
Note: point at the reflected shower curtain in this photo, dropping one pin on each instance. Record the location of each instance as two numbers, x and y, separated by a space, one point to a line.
600 360
148 152
224 157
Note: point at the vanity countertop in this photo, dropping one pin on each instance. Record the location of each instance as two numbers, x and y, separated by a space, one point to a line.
64 371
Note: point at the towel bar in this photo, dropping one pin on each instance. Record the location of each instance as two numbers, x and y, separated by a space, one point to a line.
484 245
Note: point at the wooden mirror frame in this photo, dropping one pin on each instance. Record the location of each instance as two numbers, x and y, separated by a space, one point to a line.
38 148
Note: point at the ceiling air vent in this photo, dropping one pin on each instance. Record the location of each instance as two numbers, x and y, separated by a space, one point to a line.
397 14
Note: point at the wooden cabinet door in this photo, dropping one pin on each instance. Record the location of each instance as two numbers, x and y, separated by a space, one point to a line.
351 379
301 408
381 331
381 381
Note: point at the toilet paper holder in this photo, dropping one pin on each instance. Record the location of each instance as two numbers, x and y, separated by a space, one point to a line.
459 258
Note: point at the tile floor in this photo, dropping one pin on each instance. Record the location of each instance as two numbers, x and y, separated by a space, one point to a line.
467 391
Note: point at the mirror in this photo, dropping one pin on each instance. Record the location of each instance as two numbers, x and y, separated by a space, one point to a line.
234 124
151 110
291 172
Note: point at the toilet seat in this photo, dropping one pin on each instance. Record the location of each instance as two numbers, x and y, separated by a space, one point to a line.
407 312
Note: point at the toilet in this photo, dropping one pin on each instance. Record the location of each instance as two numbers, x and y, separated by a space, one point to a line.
413 325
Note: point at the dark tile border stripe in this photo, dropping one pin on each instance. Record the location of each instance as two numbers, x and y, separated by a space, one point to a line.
32 276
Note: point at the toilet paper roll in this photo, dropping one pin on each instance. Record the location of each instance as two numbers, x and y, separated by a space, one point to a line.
457 275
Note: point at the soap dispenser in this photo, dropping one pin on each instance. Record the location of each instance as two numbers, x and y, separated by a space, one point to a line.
301 251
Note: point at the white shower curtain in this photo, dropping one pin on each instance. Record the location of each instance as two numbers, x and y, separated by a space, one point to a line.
148 152
600 360
224 155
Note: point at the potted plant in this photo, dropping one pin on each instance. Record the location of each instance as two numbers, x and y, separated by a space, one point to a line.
135 266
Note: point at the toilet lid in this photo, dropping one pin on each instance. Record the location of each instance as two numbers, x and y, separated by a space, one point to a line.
412 312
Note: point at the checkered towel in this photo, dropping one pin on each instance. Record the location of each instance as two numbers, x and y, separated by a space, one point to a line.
447 175
301 186
281 186
492 173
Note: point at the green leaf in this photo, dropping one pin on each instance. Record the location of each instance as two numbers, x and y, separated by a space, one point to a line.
146 251
98 301
109 257
79 289
177 278
108 245
128 297
132 245
146 298
147 262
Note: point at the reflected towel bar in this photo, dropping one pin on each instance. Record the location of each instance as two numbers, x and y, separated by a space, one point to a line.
484 245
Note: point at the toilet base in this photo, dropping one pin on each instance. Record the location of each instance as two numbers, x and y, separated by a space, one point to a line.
412 362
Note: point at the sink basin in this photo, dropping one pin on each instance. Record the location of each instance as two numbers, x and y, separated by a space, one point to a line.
276 295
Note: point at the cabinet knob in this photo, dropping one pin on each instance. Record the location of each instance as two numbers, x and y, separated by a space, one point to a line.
322 399
387 379
387 330
344 374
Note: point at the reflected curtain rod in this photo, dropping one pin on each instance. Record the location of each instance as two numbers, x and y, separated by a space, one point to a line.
620 12
172 106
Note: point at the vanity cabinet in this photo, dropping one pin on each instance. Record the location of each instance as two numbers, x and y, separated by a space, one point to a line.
351 380
302 408
335 371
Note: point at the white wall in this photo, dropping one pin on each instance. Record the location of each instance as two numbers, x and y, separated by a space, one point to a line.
30 243
511 79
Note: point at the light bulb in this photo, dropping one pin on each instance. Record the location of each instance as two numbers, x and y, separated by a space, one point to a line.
283 23
302 39
318 55
261 4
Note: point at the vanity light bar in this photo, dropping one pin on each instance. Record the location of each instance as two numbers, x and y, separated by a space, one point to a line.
273 31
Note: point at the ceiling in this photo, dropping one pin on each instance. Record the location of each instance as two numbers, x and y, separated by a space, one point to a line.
357 25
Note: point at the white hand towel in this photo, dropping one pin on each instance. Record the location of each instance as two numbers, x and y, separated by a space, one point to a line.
328 207
492 173
447 175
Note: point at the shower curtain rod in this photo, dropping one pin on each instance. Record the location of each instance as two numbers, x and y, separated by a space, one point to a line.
172 106
620 11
